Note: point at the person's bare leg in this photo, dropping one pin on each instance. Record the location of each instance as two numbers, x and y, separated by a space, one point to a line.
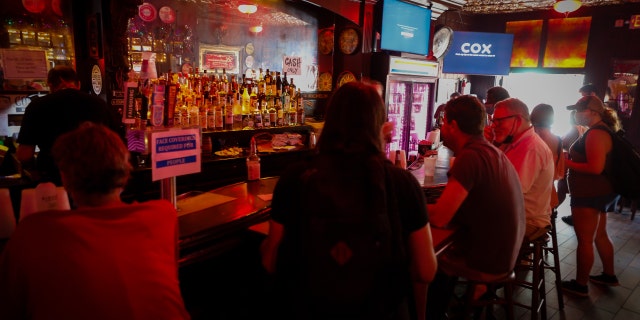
585 223
604 245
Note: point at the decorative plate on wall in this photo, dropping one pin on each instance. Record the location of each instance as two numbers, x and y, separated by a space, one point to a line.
345 77
325 41
249 48
324 81
349 40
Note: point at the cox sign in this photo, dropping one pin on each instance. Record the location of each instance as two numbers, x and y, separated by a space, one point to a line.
479 53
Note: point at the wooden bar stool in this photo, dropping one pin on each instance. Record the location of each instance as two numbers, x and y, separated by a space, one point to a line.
555 266
531 259
475 307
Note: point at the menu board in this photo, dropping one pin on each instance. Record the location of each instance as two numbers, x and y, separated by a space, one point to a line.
24 64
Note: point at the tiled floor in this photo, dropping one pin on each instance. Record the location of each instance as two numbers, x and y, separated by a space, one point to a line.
603 303
231 287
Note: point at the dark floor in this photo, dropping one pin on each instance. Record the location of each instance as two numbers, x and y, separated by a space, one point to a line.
231 286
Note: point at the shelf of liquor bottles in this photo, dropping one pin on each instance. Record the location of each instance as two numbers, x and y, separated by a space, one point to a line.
218 171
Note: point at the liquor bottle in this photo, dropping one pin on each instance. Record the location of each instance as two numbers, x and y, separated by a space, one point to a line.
285 84
267 83
224 87
266 119
257 116
211 118
292 87
278 84
219 115
286 100
246 101
300 108
253 162
194 114
280 122
273 114
228 114
204 109
237 112
292 114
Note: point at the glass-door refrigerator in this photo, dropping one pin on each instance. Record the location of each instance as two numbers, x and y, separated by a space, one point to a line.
409 95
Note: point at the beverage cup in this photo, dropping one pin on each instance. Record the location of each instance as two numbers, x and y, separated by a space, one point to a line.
430 166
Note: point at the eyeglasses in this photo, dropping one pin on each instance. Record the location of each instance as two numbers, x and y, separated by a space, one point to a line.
497 121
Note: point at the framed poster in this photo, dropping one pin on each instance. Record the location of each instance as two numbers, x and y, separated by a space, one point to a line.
219 57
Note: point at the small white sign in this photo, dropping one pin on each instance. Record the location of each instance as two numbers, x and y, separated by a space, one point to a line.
175 153
24 64
292 65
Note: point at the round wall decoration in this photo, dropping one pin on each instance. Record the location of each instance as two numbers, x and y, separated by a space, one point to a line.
167 15
349 40
345 77
96 79
249 48
147 12
248 61
325 41
324 81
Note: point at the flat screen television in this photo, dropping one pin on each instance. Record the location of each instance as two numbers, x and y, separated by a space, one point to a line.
405 27
479 53
567 41
527 39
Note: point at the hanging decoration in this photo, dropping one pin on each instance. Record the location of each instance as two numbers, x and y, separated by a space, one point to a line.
147 12
34 6
167 14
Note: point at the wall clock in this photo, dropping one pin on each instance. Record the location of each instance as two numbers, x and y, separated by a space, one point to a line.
324 81
349 40
325 41
345 77
442 41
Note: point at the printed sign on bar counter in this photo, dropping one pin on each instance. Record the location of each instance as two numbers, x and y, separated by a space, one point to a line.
175 153
292 65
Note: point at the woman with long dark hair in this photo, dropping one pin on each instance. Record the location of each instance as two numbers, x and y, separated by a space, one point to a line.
349 236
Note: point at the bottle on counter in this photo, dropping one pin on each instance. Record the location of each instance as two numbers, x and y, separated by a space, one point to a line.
253 162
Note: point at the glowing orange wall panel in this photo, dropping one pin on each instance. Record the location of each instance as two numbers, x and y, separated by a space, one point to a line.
526 42
567 41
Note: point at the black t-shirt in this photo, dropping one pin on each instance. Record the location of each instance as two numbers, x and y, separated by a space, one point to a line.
48 117
350 186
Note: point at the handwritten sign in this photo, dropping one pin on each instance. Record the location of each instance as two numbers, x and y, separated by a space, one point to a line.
24 64
292 65
175 153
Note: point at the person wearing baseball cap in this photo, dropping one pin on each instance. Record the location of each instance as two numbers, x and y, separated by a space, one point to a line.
591 193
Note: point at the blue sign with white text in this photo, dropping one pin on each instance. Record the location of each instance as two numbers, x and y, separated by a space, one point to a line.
479 53
175 162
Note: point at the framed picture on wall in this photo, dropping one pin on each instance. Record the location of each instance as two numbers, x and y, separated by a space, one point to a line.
216 57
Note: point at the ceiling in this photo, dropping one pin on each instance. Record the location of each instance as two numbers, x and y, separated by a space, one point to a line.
269 13
507 6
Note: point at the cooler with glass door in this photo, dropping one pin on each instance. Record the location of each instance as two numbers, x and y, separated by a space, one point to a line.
409 96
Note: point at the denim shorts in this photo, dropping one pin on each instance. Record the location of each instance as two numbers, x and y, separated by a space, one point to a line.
602 203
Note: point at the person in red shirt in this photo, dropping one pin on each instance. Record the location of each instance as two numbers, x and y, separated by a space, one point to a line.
105 259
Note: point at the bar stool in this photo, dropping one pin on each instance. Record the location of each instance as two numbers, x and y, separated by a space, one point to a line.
479 305
531 259
553 249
